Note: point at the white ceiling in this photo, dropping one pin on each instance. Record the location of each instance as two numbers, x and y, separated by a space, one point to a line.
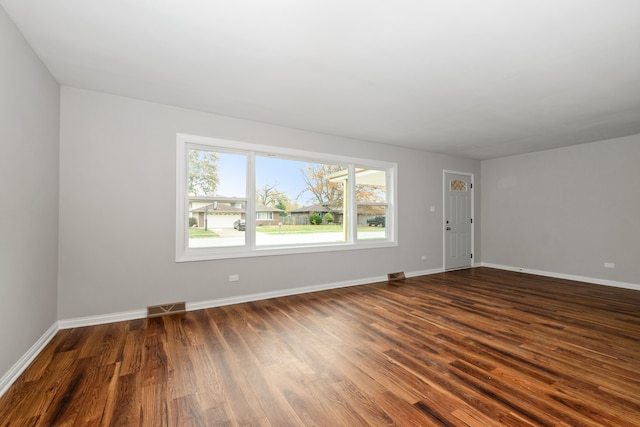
480 79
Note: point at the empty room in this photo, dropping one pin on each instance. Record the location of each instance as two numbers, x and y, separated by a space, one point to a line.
319 213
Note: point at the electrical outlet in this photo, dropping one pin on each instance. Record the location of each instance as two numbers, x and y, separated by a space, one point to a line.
234 277
609 265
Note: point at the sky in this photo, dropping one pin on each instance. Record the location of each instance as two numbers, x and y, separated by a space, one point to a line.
285 174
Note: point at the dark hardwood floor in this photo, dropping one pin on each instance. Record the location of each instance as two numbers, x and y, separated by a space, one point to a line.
477 347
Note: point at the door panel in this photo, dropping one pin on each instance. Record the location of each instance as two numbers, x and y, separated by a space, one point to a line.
458 223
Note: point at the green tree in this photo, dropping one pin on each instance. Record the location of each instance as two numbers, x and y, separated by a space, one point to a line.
328 217
203 172
282 206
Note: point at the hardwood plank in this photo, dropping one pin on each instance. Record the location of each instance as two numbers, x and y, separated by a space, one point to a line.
477 347
187 412
127 403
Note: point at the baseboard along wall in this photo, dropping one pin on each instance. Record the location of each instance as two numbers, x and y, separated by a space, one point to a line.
18 368
615 284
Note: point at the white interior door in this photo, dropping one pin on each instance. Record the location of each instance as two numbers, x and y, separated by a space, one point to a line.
458 220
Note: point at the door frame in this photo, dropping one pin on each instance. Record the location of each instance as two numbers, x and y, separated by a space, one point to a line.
444 219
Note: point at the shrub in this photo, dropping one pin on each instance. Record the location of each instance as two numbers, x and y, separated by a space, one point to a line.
315 219
328 217
193 222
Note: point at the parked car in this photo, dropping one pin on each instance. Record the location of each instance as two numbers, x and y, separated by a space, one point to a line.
239 224
376 221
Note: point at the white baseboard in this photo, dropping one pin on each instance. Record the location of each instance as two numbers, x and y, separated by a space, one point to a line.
139 314
296 291
613 283
281 293
425 272
100 319
18 368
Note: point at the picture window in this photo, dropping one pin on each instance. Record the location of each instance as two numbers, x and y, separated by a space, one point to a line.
237 199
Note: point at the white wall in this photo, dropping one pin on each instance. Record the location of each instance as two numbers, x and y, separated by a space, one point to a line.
566 210
29 123
117 157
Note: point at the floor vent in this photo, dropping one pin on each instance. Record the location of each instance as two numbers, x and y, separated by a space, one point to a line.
161 310
396 278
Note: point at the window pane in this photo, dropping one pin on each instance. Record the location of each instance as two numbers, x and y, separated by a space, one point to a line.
371 195
263 215
203 173
371 185
304 199
457 185
216 193
372 221
216 223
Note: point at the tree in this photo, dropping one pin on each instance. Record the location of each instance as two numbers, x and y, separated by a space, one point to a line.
269 195
372 194
280 205
203 172
325 192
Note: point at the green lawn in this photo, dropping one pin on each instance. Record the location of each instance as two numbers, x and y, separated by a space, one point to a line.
198 233
308 229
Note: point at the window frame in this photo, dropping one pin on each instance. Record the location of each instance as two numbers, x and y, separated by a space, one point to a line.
183 253
269 216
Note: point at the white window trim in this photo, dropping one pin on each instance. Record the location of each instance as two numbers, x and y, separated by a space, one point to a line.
185 254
